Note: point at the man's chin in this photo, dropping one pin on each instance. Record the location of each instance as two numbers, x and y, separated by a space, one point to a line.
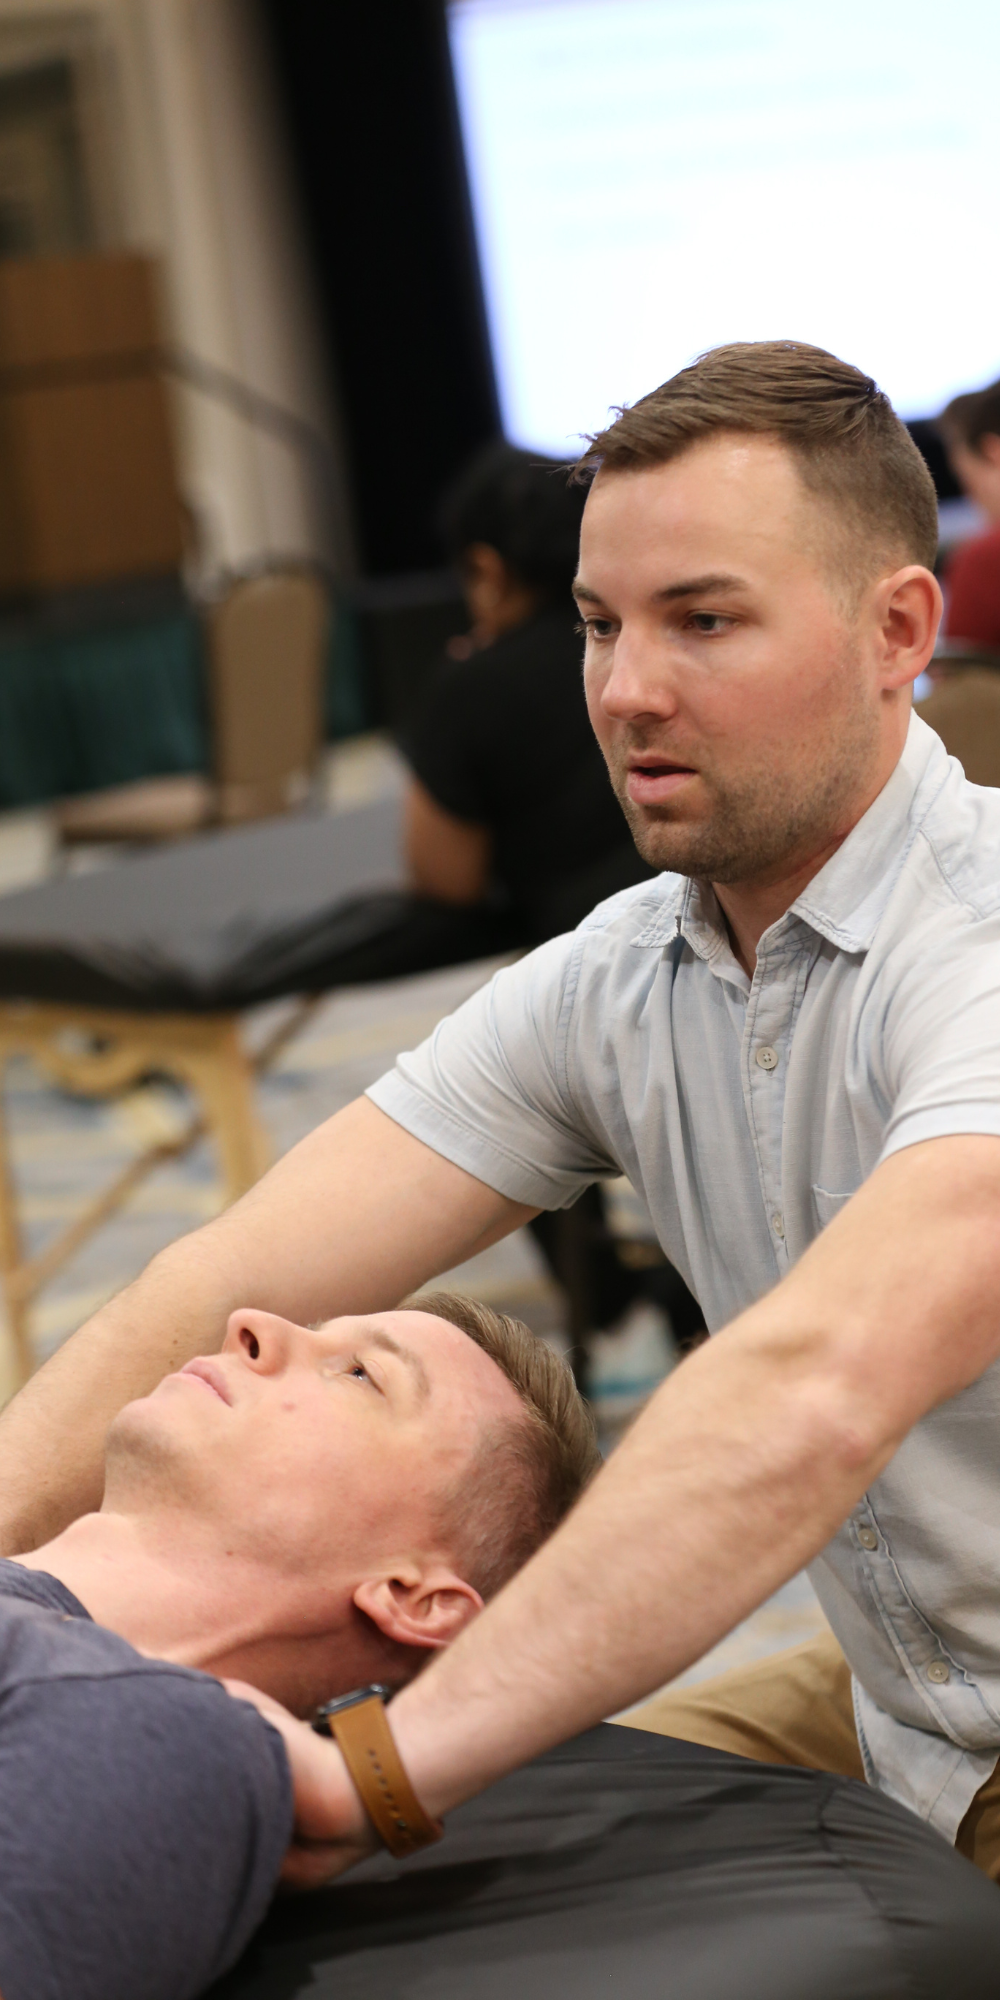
146 1451
669 843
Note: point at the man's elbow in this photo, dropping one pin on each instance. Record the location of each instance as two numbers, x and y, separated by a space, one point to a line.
848 1433
844 1412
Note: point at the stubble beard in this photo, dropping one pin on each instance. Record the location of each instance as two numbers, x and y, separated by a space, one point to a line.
764 819
143 1463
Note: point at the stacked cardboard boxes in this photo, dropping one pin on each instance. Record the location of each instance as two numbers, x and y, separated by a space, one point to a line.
88 483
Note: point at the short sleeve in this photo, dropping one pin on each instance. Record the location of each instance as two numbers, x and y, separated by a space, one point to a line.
143 1820
489 1088
942 1040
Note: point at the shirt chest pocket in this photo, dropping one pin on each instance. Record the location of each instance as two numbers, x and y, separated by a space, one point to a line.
828 1204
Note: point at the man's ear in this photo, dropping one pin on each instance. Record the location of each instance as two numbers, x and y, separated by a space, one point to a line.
427 1608
908 608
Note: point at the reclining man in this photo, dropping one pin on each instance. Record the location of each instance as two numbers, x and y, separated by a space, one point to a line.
308 1510
790 1041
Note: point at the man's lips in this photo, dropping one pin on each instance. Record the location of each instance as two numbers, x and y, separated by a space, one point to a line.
655 779
212 1376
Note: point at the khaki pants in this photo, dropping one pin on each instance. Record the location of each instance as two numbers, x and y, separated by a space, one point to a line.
795 1708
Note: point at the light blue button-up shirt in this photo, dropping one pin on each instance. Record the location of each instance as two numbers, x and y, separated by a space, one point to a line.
747 1112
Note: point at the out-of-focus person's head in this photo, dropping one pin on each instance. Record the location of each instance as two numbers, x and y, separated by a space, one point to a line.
755 578
511 525
970 431
374 1479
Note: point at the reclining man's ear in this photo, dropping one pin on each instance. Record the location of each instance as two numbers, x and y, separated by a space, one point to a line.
419 1608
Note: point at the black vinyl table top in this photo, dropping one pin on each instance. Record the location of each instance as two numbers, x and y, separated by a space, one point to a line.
625 1866
236 917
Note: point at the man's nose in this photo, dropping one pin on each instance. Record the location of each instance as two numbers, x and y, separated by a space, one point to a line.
640 682
263 1339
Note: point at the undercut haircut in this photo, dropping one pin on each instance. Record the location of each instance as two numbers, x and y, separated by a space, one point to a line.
852 451
526 1472
968 419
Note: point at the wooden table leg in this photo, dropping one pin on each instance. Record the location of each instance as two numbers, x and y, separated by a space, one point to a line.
203 1051
223 1077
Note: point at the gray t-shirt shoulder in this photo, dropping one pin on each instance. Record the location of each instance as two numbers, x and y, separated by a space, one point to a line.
144 1814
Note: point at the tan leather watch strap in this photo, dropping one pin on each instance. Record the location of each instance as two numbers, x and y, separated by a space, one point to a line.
366 1743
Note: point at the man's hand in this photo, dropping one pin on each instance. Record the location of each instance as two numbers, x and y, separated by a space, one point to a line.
332 1829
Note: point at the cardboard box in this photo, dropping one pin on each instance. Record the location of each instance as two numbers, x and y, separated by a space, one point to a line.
59 310
88 483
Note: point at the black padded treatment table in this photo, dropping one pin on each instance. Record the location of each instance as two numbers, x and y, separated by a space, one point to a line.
144 968
625 1866
232 918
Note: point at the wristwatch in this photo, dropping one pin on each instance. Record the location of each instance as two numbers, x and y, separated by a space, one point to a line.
359 1724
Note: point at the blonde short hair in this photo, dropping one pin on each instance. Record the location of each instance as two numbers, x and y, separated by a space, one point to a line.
525 1475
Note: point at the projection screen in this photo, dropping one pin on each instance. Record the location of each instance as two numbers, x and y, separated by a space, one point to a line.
652 177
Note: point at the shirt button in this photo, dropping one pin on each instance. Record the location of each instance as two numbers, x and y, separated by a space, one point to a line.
868 1538
778 1225
766 1057
939 1672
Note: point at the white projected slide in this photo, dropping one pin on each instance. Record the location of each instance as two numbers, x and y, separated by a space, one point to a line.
652 177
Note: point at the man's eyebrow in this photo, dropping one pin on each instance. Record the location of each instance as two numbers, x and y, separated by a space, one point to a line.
698 586
692 586
421 1379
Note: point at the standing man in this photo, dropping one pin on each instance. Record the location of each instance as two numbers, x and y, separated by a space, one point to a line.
790 1041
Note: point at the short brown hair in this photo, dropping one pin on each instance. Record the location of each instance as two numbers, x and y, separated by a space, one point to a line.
968 419
526 1475
852 451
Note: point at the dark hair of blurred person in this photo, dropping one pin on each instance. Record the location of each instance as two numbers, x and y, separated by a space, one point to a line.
970 431
510 795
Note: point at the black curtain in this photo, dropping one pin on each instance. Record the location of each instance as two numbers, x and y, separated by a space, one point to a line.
369 104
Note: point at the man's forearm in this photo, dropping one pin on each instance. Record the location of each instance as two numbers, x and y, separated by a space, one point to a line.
724 1488
349 1221
742 1467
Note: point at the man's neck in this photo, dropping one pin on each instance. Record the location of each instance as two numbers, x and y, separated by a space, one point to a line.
176 1594
750 908
160 1594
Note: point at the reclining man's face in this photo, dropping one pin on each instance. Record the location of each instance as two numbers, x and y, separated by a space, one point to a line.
316 1462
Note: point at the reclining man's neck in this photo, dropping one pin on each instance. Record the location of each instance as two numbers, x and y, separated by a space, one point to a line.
164 1593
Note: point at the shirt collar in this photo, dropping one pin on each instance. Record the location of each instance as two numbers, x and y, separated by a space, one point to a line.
845 901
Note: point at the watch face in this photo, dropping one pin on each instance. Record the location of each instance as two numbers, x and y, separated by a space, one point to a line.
375 1690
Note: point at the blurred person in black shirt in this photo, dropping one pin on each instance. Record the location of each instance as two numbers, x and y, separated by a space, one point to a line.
510 795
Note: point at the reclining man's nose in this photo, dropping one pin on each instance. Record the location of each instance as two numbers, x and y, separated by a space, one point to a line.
263 1338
